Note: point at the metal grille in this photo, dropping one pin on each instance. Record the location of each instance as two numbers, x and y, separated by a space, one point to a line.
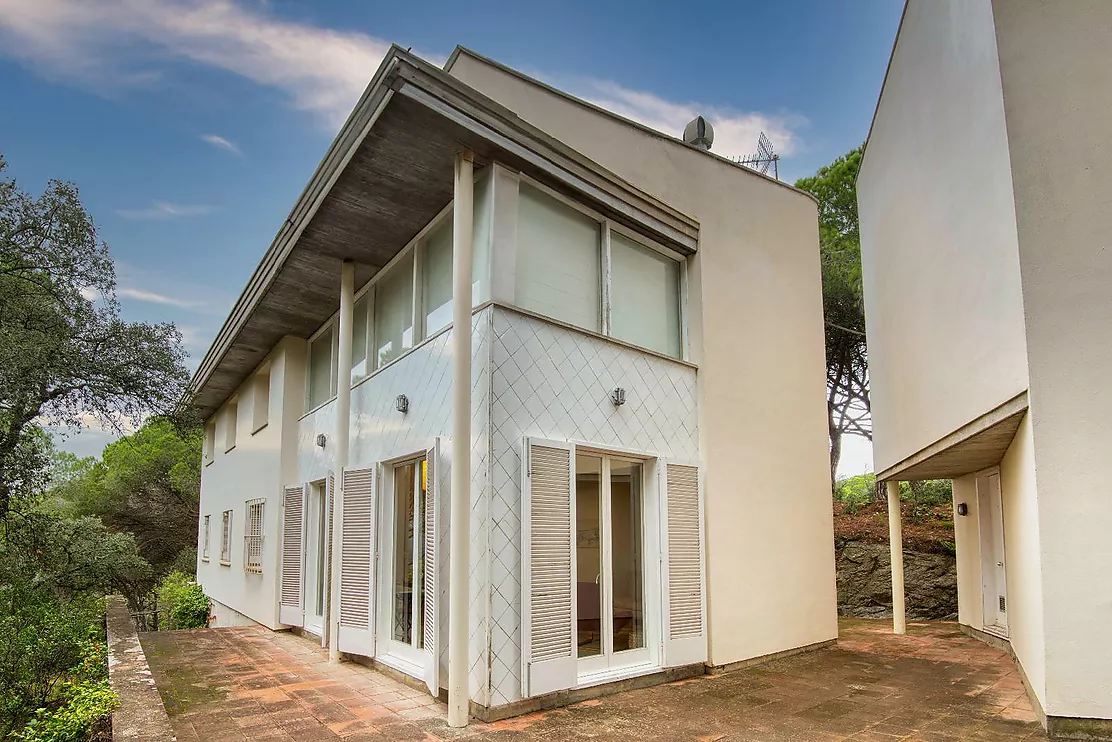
291 546
356 545
226 538
685 549
253 537
1003 604
205 539
550 578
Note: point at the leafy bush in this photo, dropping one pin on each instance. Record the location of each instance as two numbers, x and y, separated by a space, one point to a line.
182 604
83 713
855 492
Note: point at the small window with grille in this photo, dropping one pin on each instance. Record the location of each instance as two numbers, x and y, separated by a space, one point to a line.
205 539
253 537
226 539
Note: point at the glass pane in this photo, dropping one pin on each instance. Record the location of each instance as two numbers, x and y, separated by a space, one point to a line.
320 369
360 319
481 240
644 296
558 261
394 312
625 540
404 523
437 268
588 553
419 578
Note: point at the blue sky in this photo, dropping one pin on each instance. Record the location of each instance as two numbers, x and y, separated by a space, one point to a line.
192 125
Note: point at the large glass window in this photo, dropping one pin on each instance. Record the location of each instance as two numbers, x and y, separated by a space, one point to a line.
588 553
321 380
644 296
437 269
394 312
558 272
360 338
409 553
626 549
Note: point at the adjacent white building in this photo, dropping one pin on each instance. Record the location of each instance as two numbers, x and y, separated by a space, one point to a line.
985 217
644 479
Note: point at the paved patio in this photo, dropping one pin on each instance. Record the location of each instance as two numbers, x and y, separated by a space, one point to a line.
935 685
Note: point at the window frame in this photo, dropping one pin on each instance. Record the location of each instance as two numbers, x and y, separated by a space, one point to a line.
260 400
208 451
606 227
226 539
254 535
205 536
231 424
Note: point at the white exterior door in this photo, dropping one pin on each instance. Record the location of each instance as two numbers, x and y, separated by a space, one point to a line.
316 558
994 580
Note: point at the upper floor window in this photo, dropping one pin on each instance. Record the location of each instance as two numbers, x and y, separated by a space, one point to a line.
322 380
579 269
559 261
210 441
394 312
231 422
260 404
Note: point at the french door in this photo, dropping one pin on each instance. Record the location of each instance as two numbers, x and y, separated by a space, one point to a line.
405 569
610 563
316 557
994 577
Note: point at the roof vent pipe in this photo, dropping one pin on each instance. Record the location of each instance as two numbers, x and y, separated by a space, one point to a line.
699 133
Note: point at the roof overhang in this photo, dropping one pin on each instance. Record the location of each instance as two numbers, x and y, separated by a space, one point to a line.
975 446
387 174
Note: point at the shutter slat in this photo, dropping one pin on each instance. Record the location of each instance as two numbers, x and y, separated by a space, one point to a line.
429 526
356 549
550 554
685 549
292 509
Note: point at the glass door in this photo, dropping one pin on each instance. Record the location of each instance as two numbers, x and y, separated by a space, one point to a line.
407 561
316 558
610 565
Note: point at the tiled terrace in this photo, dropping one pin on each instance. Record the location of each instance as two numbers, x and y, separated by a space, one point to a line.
934 685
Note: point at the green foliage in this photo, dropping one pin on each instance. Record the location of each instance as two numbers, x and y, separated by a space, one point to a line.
856 491
147 483
181 603
84 708
64 351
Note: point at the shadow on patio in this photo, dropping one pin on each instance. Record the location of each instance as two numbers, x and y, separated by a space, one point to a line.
933 685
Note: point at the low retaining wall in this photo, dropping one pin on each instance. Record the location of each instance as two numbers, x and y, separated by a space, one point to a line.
141 714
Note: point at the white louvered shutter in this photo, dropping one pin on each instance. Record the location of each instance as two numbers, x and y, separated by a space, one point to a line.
291 610
685 621
548 561
330 507
429 588
357 563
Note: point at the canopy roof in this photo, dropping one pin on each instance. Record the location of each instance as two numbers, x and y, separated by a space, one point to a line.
387 174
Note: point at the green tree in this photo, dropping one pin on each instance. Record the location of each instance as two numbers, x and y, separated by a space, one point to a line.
147 484
64 351
847 367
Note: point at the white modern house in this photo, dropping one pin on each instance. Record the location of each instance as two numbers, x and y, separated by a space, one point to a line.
985 223
617 474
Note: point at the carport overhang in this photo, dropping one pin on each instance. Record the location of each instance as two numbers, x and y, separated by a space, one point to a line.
387 174
975 446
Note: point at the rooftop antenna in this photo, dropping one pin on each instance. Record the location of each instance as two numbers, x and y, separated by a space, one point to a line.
764 157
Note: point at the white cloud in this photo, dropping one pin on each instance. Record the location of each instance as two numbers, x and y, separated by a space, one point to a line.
111 42
221 143
165 210
156 298
735 132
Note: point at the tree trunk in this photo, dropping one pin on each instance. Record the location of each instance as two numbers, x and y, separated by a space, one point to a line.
835 447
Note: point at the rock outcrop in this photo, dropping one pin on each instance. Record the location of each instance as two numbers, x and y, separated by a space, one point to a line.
865 582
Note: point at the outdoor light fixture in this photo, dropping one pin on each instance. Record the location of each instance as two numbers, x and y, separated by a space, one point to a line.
401 403
963 509
618 397
321 439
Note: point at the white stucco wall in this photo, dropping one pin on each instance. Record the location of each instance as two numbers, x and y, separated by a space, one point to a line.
756 332
967 541
1058 99
938 238
252 469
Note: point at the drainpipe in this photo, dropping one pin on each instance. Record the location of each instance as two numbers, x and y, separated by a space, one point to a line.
343 431
895 545
460 518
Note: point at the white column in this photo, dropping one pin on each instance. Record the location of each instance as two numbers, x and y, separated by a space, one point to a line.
460 521
343 431
895 545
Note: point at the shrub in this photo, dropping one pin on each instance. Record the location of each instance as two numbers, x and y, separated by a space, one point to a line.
82 714
182 604
854 492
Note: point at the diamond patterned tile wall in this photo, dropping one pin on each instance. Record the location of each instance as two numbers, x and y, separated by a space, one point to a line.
551 382
379 432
